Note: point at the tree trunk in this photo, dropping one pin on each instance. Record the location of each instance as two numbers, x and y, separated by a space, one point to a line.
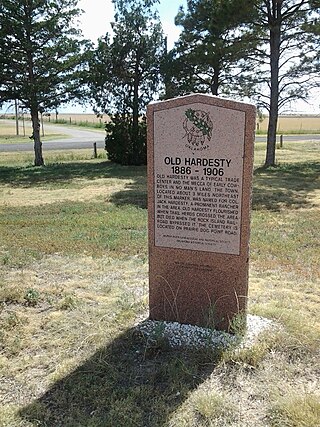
38 159
215 82
275 34
135 112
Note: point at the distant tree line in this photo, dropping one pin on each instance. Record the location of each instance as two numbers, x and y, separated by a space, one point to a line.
265 51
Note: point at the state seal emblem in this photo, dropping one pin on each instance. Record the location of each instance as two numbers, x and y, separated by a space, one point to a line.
198 129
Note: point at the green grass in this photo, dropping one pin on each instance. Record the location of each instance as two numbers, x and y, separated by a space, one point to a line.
81 123
74 282
52 157
74 228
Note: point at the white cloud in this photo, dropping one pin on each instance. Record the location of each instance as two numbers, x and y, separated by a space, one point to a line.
95 21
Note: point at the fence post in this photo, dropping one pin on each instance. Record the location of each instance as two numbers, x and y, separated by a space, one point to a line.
281 141
95 154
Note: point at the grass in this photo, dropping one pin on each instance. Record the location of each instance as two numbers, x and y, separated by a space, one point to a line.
8 134
8 130
295 410
74 282
82 123
293 124
12 139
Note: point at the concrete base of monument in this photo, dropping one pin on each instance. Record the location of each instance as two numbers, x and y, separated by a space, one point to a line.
178 335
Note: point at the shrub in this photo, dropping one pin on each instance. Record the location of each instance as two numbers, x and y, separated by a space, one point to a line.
120 144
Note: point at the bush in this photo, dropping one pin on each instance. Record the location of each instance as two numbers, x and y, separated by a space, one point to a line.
120 145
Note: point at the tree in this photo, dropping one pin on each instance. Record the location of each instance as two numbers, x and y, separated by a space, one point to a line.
40 56
284 60
266 49
212 46
124 73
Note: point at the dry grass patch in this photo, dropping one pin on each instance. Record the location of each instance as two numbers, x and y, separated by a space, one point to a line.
8 132
206 407
79 305
81 191
74 282
295 410
292 152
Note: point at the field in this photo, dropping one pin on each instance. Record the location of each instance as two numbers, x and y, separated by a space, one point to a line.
74 283
83 120
8 132
287 124
294 124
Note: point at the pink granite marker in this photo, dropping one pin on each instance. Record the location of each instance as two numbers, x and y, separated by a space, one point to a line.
200 160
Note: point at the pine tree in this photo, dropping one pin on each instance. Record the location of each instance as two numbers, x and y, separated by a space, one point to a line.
39 56
125 75
212 47
265 49
284 61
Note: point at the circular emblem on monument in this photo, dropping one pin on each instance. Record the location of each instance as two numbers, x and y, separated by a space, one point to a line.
198 127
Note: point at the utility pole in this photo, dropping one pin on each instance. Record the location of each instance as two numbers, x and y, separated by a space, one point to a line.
16 108
23 124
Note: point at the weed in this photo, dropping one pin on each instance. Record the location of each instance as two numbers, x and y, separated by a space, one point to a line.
5 259
238 324
295 411
214 408
211 317
248 356
32 297
156 341
68 302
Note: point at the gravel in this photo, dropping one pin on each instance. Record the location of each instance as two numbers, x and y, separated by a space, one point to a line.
190 336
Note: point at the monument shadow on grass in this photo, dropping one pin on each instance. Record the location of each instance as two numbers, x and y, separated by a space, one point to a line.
127 383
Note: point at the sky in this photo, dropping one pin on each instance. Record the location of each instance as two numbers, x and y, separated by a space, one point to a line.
98 14
95 22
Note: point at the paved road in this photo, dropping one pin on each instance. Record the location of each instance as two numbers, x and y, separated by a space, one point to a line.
311 137
77 138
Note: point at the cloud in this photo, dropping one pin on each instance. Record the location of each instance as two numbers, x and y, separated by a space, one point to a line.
95 21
